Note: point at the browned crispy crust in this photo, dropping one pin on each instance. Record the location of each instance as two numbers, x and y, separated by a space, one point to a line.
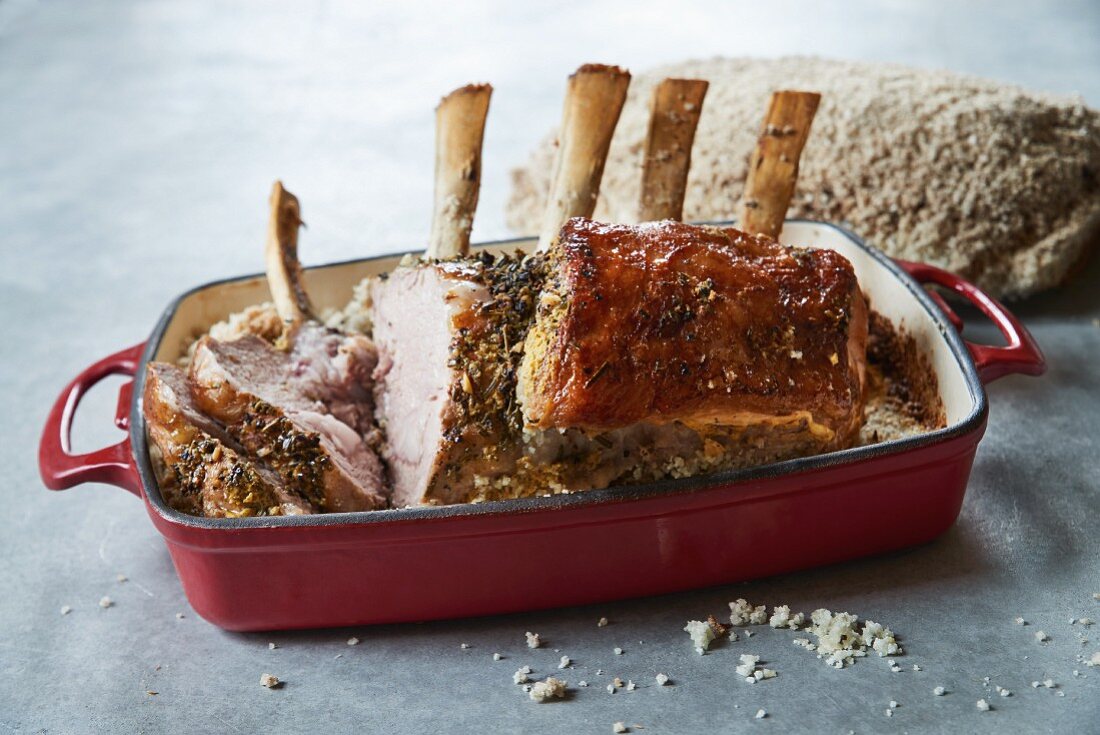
708 326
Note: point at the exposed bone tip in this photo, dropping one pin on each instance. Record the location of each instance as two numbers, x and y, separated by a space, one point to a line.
285 208
816 96
678 81
467 90
281 198
607 69
773 167
674 110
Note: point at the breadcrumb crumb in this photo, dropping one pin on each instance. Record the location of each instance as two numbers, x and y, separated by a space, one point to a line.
533 640
65 609
106 602
619 727
701 635
270 681
662 679
1041 636
565 661
983 705
353 641
601 623
543 691
782 618
761 714
939 691
497 657
740 610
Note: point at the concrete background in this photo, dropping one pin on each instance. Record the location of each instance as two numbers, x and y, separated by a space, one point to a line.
137 144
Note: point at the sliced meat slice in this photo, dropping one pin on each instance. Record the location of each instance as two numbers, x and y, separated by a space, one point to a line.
201 470
449 335
709 328
276 405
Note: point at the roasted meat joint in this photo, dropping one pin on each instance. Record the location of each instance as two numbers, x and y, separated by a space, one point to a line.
606 354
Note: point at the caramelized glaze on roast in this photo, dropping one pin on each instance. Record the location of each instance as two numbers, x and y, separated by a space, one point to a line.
666 322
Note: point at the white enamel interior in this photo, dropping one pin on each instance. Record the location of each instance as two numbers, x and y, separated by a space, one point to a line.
331 287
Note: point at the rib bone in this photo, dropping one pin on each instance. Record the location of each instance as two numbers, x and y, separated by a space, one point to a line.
773 168
674 115
284 272
459 130
593 101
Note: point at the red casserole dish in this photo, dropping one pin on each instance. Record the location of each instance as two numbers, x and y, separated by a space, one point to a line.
452 561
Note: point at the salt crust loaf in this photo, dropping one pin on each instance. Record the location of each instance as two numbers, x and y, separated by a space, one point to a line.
993 182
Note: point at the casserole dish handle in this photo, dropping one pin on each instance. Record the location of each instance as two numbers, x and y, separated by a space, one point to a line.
1021 355
62 469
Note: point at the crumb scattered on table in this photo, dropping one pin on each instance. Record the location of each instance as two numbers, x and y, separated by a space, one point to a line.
543 691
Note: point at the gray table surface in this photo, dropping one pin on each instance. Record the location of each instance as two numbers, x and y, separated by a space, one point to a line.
137 144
